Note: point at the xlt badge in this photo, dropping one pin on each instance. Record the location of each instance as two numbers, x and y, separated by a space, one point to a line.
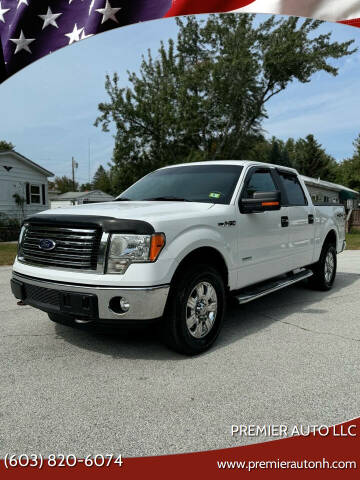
229 223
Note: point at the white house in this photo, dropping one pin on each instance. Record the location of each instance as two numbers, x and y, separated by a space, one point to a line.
79 198
24 180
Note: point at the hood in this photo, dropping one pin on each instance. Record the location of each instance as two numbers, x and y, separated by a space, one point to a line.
151 212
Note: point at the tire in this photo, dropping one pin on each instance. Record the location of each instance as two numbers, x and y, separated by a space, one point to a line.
61 319
325 269
195 310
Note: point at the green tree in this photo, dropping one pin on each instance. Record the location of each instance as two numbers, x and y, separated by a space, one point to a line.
271 151
64 184
310 159
279 154
85 187
205 95
101 180
349 170
4 146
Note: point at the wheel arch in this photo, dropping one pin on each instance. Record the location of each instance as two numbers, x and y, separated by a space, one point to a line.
202 255
331 238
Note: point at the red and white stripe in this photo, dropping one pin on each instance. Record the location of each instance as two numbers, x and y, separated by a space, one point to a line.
330 10
347 11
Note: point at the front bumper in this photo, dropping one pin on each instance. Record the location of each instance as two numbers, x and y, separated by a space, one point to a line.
89 301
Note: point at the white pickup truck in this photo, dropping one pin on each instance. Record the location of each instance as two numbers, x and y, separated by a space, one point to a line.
175 245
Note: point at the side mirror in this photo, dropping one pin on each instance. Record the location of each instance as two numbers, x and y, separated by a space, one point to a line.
261 202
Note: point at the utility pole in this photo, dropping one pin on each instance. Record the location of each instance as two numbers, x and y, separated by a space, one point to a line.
74 165
89 158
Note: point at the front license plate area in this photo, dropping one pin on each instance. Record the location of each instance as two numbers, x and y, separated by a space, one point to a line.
79 304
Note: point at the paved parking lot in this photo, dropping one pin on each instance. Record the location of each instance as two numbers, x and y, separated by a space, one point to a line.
290 358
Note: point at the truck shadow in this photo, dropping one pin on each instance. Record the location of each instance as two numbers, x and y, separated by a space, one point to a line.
241 321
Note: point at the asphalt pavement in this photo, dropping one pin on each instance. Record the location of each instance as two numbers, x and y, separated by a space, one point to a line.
290 358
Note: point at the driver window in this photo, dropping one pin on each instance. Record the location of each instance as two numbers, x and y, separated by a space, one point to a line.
260 181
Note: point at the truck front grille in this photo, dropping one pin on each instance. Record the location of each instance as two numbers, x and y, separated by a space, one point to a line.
74 248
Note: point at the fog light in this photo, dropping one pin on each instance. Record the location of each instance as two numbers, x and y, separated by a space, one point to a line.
124 304
119 305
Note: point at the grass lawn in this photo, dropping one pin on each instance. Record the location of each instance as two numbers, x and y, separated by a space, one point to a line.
7 253
353 241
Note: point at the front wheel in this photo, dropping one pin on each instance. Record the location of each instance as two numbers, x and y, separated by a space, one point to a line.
195 310
325 269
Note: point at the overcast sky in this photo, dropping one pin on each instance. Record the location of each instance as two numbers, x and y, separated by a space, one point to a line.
48 109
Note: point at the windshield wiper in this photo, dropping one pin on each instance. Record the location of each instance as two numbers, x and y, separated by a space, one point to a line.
122 199
166 199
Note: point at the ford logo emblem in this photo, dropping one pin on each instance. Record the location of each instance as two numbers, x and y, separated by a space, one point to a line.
47 244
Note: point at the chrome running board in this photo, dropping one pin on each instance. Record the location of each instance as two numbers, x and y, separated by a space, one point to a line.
260 290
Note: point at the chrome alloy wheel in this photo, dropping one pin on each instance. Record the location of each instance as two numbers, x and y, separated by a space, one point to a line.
201 310
329 266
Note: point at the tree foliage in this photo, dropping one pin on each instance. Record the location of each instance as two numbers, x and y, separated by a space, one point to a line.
63 184
86 187
271 151
101 180
349 170
310 159
4 146
205 95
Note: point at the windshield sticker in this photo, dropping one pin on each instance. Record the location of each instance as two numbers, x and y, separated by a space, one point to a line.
214 195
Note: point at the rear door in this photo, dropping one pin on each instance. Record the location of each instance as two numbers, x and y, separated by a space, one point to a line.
262 237
301 219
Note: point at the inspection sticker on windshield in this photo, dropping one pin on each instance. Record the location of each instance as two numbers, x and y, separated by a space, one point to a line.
214 195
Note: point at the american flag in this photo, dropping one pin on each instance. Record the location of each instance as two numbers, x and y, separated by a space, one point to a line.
31 29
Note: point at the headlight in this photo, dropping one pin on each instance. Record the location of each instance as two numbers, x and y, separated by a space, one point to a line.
127 249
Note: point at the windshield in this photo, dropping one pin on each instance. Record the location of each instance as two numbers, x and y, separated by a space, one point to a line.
191 183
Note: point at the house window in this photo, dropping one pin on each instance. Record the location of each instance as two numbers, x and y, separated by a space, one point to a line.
35 194
326 199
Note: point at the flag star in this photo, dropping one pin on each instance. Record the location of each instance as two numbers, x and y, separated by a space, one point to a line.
83 36
91 6
2 13
50 18
20 2
108 12
74 36
22 43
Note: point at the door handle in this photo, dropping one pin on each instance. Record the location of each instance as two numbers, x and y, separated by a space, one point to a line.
284 221
311 218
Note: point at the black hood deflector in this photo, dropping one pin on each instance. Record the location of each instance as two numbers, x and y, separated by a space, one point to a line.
107 224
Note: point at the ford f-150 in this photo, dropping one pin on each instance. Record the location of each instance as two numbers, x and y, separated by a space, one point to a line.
175 245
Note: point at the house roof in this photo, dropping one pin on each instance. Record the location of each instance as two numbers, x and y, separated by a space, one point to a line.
27 161
331 186
78 195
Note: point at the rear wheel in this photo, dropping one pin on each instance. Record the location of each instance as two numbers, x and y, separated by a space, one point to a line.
325 269
195 310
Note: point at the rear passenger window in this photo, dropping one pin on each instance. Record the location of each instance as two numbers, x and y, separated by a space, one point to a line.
260 181
294 191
